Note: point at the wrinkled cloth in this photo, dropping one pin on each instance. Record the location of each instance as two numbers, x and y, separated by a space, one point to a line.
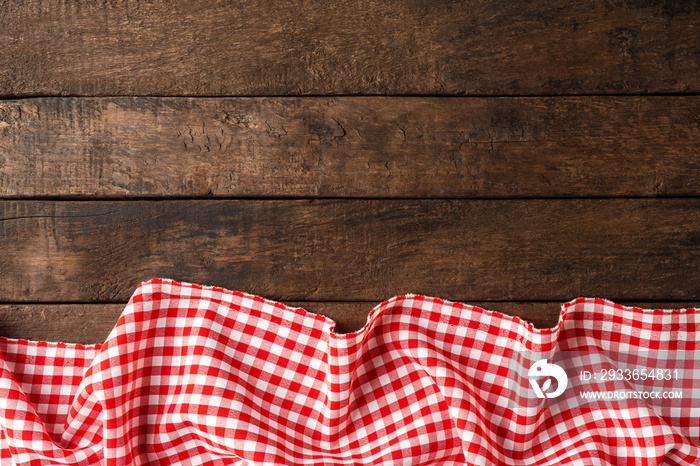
197 375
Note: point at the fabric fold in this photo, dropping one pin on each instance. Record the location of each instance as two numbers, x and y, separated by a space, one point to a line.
195 374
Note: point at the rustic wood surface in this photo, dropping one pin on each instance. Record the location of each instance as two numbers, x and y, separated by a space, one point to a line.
504 155
350 147
91 323
354 250
221 47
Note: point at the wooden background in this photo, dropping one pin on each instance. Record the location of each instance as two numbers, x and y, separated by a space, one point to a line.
511 154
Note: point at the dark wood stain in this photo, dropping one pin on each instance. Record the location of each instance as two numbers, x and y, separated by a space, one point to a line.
354 250
91 323
220 47
331 155
350 147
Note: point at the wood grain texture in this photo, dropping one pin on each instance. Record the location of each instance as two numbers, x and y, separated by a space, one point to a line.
70 323
350 147
354 250
91 323
221 47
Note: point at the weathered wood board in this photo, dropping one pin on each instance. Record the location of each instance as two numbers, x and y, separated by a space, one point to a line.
91 323
354 250
379 147
222 47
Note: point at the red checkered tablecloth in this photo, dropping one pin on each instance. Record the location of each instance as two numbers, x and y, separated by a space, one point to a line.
199 375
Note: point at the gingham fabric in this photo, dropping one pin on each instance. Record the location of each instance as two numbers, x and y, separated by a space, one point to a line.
199 375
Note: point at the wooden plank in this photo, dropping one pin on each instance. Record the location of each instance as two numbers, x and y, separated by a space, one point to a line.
219 47
70 323
354 250
350 147
91 323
